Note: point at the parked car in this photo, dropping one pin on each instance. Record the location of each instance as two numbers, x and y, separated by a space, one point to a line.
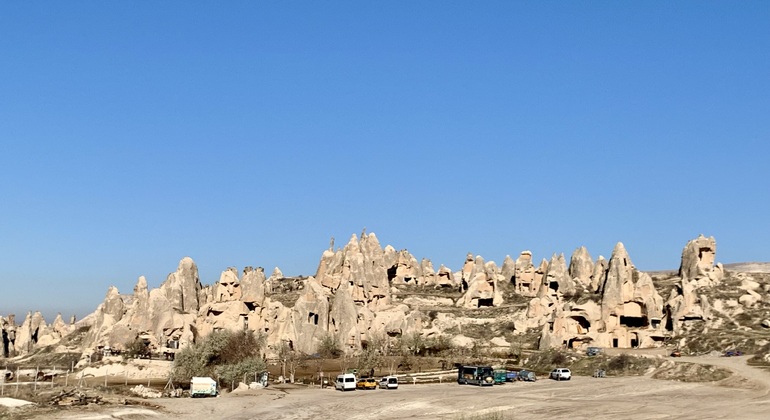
676 353
593 351
731 353
389 382
346 381
526 375
366 383
501 376
561 374
511 376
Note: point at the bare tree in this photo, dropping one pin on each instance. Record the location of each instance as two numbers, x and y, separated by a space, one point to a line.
290 359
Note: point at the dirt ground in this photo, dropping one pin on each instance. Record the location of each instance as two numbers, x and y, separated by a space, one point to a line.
745 395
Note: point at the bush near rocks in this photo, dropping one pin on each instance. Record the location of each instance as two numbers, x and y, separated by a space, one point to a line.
223 354
621 365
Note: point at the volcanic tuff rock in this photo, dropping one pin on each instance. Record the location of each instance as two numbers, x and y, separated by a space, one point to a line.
581 266
525 281
482 283
182 287
363 292
697 271
349 299
32 333
630 313
557 276
698 262
599 274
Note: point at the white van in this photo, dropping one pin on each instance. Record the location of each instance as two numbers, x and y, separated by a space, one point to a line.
346 381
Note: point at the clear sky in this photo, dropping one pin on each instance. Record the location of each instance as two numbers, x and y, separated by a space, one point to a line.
133 134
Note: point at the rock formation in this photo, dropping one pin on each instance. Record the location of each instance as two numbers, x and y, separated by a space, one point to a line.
524 278
698 258
697 271
556 276
482 283
630 313
362 292
581 267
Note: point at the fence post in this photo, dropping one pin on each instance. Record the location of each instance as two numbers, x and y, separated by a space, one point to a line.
17 382
2 381
106 372
37 372
53 376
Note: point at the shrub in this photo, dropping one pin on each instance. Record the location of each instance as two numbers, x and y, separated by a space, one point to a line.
440 344
226 354
329 348
137 349
558 358
234 372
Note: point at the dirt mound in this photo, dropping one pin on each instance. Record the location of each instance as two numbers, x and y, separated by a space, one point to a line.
749 267
690 372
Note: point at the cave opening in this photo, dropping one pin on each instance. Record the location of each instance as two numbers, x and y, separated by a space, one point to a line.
392 273
6 344
633 321
485 302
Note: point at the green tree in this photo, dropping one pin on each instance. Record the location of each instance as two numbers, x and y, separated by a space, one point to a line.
225 354
328 348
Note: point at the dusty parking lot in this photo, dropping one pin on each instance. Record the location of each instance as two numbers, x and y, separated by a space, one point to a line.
743 396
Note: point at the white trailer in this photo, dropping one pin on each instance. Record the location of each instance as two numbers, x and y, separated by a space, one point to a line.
203 386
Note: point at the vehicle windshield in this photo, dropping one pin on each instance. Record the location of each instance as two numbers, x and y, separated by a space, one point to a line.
486 370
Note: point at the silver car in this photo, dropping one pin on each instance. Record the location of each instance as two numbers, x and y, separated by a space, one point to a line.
389 382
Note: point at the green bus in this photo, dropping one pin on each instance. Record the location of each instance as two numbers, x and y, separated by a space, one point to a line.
476 375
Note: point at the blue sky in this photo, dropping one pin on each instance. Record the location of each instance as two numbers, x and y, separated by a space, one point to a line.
248 133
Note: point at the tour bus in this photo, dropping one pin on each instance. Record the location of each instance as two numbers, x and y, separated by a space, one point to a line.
476 375
346 381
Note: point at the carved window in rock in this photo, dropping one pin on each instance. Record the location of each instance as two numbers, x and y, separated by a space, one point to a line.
582 325
485 302
634 340
553 285
633 321
392 273
312 318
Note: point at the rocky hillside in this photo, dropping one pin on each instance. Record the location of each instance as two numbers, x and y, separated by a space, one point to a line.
364 295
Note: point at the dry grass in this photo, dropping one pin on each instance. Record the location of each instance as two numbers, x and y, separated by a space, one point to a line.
691 372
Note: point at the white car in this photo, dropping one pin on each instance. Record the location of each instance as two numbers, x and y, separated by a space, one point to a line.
389 382
561 374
